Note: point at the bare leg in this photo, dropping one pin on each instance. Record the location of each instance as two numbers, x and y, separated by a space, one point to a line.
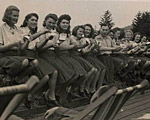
52 85
42 82
87 78
102 78
95 80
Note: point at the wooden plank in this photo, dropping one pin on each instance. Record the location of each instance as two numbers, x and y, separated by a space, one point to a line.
132 111
134 105
135 115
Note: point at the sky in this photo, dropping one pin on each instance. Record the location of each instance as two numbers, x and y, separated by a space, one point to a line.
81 11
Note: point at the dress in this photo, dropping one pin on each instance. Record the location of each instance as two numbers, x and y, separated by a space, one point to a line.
65 73
44 68
66 57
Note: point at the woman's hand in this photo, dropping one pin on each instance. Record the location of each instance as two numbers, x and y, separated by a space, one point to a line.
50 112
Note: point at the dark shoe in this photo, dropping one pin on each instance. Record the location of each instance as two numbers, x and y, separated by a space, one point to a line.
28 103
49 102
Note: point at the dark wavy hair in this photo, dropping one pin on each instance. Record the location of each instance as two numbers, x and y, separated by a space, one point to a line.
62 17
92 30
8 12
27 17
53 16
137 33
76 28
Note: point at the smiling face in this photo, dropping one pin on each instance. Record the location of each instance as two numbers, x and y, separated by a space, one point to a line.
32 22
104 30
64 24
137 38
50 23
117 34
80 33
144 39
128 35
14 17
111 34
87 31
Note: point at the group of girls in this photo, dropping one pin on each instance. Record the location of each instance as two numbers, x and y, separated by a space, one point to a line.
52 53
55 55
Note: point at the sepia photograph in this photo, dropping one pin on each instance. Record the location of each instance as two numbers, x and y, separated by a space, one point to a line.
74 60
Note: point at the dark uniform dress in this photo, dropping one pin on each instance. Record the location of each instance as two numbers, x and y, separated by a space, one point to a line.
44 68
77 55
66 57
65 73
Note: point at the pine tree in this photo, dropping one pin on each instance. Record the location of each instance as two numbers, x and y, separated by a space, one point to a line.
107 19
141 23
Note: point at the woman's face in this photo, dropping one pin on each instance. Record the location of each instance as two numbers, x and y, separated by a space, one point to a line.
50 23
14 17
111 34
80 33
144 39
137 38
32 22
87 31
117 34
64 24
128 35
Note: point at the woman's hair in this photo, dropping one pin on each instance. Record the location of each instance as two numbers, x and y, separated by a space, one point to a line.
92 30
27 17
76 28
53 16
59 29
137 33
130 31
8 12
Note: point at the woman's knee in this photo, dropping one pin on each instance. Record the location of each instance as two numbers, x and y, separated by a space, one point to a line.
35 63
55 72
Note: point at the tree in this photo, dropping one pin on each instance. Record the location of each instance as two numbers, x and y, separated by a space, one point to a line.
141 23
107 19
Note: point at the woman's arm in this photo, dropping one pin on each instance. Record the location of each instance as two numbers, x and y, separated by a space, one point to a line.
4 48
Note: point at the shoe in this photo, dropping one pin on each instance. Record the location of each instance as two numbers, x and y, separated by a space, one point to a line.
28 103
49 102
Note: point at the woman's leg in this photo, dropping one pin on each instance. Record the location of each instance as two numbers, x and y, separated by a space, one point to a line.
87 78
42 82
52 85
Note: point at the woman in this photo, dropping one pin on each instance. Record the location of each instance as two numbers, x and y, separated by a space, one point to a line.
90 55
48 52
64 52
46 71
81 43
10 44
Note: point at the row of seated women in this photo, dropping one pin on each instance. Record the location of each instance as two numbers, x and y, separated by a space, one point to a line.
77 61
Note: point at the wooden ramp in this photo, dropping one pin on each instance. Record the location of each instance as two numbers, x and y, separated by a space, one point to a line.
134 108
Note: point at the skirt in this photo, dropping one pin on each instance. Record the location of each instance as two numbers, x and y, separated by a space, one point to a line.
65 73
44 68
65 57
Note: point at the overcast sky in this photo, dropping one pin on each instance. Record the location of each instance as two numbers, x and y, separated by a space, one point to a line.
81 11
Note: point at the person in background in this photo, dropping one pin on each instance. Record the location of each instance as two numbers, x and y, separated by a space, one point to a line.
78 39
106 47
111 34
90 55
